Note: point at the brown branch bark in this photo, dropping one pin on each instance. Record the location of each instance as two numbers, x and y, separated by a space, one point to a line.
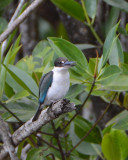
45 117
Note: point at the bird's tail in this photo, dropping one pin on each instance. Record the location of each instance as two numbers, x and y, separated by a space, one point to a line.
37 113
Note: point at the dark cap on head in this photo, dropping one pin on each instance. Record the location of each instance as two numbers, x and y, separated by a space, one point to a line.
59 62
64 62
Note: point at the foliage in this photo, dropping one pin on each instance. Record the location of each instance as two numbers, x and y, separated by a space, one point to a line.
102 77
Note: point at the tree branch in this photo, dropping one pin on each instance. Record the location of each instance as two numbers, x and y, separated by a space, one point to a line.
45 117
8 146
21 2
20 19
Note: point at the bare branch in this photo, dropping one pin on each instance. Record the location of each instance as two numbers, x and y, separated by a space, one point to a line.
8 146
46 116
20 19
21 2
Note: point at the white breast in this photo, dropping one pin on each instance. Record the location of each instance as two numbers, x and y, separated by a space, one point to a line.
60 85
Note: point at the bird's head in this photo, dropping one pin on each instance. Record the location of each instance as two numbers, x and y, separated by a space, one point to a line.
64 63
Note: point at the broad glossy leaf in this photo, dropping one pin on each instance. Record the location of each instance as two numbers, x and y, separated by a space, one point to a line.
13 84
3 72
65 48
121 4
118 84
71 7
82 126
23 79
40 47
34 153
85 147
85 46
108 46
115 145
18 95
91 6
116 55
120 121
75 90
9 92
24 109
109 74
112 19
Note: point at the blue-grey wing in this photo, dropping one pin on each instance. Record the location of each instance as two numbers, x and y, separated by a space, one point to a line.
45 83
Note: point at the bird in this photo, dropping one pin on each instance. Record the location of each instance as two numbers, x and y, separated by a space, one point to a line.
55 84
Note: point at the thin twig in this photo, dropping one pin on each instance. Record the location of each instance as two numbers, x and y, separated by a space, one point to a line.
20 19
48 134
93 84
58 141
95 124
4 106
49 144
21 2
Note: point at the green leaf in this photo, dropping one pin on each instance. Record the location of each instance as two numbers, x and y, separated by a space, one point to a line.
85 147
120 121
112 19
85 46
18 95
71 7
82 126
34 153
109 74
40 47
20 108
12 83
65 48
121 4
119 84
91 6
75 90
115 145
23 79
9 92
108 45
116 55
3 73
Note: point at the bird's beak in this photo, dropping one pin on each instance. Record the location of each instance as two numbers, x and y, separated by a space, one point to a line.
70 63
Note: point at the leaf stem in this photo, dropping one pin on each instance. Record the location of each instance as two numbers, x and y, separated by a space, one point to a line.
48 134
95 124
49 144
90 24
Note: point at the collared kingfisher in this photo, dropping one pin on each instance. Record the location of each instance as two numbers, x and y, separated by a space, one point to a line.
54 85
